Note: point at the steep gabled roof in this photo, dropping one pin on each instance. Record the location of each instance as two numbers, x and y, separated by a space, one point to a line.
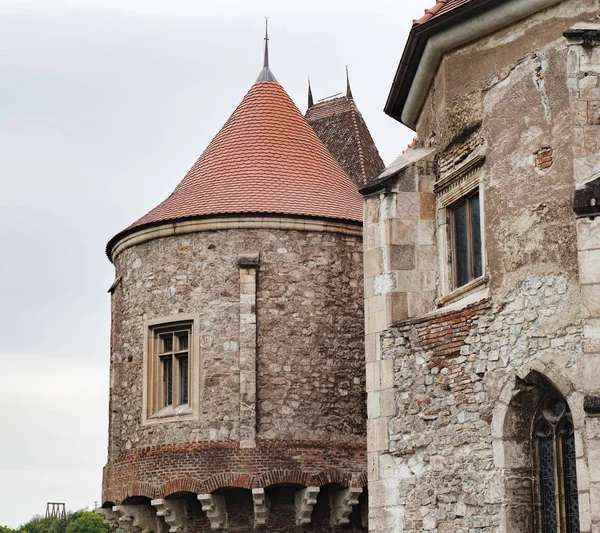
341 127
265 160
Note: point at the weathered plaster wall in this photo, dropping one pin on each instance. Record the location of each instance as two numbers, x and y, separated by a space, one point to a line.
455 101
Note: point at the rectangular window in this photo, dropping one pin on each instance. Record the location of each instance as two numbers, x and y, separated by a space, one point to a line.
465 226
171 356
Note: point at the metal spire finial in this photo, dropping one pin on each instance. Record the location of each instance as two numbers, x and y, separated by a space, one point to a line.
265 73
266 63
348 90
310 96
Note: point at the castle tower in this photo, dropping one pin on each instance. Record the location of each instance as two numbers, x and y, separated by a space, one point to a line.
237 391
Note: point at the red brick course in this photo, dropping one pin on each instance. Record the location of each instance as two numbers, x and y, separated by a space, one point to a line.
159 471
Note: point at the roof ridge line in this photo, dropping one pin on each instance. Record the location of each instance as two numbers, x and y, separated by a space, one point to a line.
361 157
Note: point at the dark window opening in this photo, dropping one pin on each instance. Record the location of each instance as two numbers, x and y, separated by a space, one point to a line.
465 226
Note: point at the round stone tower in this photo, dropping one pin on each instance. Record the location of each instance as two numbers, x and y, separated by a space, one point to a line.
237 390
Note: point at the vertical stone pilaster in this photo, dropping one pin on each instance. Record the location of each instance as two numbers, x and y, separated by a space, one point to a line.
248 264
583 70
400 262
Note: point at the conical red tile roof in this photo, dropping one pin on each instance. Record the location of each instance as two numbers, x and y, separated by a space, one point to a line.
265 160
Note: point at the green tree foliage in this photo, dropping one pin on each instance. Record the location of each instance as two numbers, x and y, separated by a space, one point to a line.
88 523
83 521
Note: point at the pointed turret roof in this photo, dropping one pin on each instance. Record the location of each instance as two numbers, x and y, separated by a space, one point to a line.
265 160
342 128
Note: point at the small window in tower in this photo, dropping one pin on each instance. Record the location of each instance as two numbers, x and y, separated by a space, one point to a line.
170 359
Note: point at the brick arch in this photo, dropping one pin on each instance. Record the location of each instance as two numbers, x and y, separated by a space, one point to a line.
228 479
361 481
296 477
131 490
331 475
182 484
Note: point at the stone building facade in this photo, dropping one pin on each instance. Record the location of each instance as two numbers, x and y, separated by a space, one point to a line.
237 393
482 268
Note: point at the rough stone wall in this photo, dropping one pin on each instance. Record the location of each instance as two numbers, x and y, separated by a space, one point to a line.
442 471
310 345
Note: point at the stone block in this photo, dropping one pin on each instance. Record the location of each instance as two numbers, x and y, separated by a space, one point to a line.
427 210
593 449
590 300
422 281
593 112
588 88
579 110
404 231
371 347
573 60
373 379
426 232
589 266
387 402
589 372
377 314
371 210
377 435
373 410
402 257
371 236
589 61
373 262
386 373
420 303
427 258
305 502
585 168
409 205
396 307
595 501
588 234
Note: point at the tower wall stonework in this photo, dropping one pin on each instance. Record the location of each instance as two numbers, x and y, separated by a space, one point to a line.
454 378
309 344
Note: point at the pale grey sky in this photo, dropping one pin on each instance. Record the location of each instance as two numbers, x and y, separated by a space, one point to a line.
104 106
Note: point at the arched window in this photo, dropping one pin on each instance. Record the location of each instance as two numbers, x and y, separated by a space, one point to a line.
554 447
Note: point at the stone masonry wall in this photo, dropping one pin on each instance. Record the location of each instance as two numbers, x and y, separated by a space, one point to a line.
310 336
443 471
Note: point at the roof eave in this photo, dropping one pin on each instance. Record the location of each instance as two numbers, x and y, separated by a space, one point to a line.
428 42
112 243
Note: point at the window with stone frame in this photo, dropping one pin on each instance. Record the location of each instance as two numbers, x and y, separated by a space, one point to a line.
465 230
554 451
170 363
460 236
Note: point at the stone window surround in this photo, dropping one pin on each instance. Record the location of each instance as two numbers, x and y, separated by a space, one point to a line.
461 182
151 372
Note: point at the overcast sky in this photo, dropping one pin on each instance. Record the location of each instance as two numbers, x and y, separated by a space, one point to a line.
104 106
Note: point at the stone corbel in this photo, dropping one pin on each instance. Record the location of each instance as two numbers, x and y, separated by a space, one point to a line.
214 507
173 513
305 501
136 518
261 506
342 503
110 517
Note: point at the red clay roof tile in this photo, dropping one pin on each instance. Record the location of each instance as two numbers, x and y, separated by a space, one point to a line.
441 7
265 159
